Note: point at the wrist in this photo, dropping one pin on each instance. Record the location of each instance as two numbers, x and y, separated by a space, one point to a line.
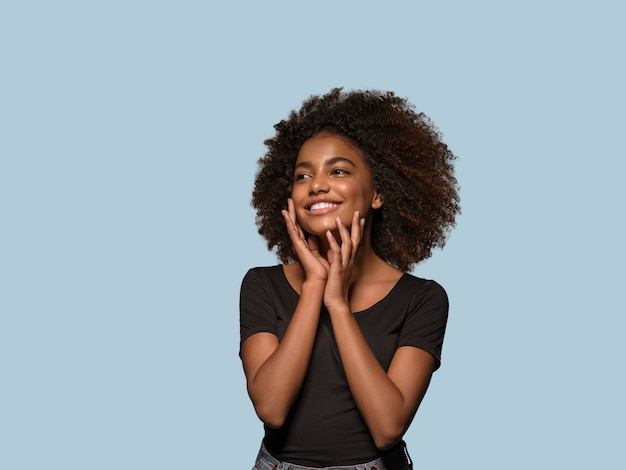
339 307
314 285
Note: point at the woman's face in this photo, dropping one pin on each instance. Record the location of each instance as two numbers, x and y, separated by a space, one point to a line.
331 179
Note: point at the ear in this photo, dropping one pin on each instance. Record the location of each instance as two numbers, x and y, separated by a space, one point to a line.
377 200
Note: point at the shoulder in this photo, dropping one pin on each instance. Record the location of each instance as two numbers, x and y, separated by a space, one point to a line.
260 272
259 287
419 284
415 297
263 280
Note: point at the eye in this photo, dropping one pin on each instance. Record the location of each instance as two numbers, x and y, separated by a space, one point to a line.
301 176
339 171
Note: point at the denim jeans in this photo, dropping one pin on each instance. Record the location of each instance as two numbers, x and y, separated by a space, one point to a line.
399 461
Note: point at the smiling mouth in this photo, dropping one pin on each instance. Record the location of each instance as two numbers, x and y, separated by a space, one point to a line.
322 206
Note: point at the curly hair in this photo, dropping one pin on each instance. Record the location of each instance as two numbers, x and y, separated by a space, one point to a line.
410 166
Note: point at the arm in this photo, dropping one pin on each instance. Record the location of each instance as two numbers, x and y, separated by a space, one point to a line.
387 400
275 370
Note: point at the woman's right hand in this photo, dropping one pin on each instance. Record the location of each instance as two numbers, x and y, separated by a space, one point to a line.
315 266
276 370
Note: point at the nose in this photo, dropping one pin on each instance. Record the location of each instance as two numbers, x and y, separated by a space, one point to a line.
319 184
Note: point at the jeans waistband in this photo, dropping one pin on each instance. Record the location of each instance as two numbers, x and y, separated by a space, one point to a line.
397 459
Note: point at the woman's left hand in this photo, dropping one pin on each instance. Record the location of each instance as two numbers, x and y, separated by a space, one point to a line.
341 260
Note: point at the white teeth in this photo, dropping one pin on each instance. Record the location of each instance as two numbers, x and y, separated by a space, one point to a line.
321 205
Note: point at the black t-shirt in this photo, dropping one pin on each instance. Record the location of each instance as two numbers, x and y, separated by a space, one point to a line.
325 427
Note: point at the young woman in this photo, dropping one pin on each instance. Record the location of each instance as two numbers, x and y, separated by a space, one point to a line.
339 342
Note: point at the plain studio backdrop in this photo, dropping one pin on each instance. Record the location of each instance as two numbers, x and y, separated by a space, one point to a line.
129 136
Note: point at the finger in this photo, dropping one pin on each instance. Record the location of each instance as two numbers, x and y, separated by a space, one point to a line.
346 242
329 257
356 232
292 229
314 248
314 245
292 209
291 213
288 221
296 235
335 249
356 229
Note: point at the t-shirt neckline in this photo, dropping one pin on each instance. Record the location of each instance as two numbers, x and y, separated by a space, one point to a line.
374 305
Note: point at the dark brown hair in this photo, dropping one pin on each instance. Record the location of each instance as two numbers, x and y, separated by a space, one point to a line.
410 166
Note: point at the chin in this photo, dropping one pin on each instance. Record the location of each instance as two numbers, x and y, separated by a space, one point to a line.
319 229
319 225
320 233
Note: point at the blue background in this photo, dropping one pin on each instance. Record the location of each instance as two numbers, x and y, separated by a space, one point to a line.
129 135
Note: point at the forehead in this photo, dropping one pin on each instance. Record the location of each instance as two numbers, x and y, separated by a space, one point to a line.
326 146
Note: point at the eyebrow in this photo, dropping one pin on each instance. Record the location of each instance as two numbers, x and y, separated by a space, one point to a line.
330 161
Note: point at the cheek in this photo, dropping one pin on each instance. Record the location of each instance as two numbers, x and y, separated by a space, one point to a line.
297 192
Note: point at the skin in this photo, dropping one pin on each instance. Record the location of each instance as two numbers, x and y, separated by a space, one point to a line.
338 268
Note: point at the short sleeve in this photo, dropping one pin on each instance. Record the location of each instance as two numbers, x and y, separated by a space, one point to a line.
256 310
425 325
